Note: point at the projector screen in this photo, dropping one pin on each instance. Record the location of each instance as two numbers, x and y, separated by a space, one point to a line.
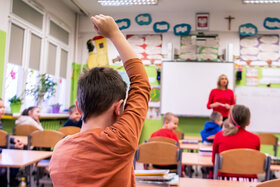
185 86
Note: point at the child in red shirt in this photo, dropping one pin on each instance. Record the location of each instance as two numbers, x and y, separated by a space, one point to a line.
170 123
234 136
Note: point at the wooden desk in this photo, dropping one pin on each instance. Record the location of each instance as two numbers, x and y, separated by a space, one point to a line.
15 158
194 159
193 146
191 182
23 139
193 138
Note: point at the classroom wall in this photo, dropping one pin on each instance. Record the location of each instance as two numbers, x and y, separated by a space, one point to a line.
218 25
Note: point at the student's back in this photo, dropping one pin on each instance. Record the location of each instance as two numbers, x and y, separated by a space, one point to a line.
102 153
234 136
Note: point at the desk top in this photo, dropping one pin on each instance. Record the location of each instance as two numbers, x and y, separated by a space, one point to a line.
194 146
15 158
194 159
42 116
193 138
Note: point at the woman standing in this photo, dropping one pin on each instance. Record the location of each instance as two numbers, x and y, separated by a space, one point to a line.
221 99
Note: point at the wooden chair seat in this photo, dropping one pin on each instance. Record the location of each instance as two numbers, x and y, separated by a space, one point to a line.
242 162
24 130
271 183
69 130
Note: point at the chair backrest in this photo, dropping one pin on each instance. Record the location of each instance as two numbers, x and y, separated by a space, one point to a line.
24 130
159 153
162 139
269 139
44 139
69 130
270 183
4 139
180 134
242 161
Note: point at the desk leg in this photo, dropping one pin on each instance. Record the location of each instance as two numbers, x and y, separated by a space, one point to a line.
8 177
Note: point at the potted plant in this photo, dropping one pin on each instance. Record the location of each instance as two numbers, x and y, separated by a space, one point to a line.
55 108
15 104
44 89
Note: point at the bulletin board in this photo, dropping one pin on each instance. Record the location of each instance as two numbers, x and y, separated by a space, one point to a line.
185 86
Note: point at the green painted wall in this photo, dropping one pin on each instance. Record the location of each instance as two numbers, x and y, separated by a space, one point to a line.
76 69
2 58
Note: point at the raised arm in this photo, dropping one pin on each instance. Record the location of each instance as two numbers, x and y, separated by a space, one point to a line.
107 27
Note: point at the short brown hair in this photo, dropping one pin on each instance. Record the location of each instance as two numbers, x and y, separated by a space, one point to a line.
98 89
240 115
72 109
168 117
219 81
215 116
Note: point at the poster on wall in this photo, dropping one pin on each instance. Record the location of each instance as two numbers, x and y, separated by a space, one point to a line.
195 48
259 48
147 47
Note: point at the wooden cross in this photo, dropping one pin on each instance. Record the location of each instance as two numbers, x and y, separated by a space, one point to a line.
229 18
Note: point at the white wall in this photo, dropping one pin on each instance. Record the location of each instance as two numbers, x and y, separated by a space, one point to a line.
218 25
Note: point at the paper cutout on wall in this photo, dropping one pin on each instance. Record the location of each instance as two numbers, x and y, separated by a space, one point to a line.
248 29
271 23
161 27
143 19
123 23
101 57
182 29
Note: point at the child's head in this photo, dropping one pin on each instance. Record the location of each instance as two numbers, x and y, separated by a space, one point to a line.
239 115
2 108
222 81
99 89
170 121
74 115
216 117
33 112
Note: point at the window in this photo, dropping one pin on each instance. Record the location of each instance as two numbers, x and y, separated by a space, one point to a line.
58 32
16 45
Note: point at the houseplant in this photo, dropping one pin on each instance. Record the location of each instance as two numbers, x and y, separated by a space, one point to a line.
44 89
15 104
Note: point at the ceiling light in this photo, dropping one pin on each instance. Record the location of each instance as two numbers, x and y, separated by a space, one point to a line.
260 1
127 2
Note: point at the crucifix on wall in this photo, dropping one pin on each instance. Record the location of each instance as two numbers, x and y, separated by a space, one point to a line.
229 18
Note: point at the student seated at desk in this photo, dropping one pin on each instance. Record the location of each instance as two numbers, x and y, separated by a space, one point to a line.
234 136
102 153
212 127
170 123
30 116
14 144
74 118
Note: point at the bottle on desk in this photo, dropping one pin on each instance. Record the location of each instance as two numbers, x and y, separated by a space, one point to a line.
22 182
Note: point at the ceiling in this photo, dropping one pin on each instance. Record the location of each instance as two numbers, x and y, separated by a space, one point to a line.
173 6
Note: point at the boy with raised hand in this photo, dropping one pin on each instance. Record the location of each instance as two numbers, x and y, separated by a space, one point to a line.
102 153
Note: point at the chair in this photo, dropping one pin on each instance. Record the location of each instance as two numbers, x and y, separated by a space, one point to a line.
162 139
69 130
159 153
4 139
271 183
269 139
180 134
242 161
43 139
24 130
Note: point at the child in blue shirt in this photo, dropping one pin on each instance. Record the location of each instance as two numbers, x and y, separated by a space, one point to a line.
74 118
212 127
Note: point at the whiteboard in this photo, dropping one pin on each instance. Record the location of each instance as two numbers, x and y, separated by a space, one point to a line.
264 104
185 86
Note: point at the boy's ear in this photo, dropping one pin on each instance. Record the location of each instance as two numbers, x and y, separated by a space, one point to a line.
119 107
76 103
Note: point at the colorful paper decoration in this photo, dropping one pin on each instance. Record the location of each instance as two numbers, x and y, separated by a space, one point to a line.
182 29
271 23
248 29
143 19
161 27
123 23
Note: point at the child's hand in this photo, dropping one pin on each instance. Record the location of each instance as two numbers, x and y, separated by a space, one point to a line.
105 25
